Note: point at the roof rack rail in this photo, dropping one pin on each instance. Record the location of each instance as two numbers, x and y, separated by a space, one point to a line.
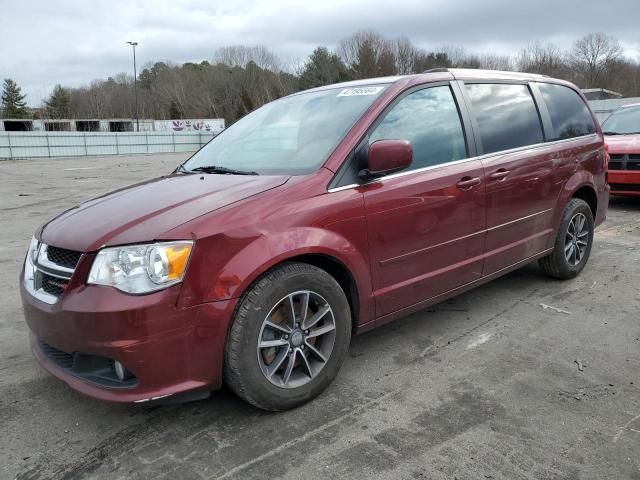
436 70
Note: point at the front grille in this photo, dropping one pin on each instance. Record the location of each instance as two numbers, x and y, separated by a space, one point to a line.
63 257
52 285
616 165
621 161
624 187
633 165
60 358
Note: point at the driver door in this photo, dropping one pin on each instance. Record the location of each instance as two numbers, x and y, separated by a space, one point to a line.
425 224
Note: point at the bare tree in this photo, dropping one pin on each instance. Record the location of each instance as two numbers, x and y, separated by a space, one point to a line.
405 56
241 55
494 61
456 54
593 54
368 54
542 59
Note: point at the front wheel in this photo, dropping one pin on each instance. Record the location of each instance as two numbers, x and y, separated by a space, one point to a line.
289 337
573 242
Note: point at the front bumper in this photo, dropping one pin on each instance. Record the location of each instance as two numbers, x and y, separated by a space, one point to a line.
168 350
624 182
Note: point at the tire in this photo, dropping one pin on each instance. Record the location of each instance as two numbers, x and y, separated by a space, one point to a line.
248 365
556 264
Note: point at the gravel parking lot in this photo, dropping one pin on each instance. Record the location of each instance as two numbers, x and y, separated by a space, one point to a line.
486 385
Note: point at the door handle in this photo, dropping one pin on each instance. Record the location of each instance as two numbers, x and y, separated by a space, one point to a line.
466 183
500 174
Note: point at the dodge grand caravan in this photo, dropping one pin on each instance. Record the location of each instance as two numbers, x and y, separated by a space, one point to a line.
317 216
622 134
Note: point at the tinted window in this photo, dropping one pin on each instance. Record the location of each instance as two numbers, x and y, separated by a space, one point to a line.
623 121
429 119
570 117
506 114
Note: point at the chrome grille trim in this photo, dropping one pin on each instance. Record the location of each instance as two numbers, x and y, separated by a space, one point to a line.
35 274
43 261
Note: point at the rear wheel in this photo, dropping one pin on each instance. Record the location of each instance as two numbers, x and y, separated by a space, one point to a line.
573 242
289 337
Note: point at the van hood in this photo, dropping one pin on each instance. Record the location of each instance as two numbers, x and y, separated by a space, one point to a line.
144 211
622 144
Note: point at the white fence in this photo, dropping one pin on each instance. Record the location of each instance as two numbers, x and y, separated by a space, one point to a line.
15 145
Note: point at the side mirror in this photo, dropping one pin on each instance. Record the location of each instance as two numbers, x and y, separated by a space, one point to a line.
387 156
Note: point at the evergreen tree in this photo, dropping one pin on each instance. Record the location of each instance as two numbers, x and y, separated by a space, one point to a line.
366 63
13 104
59 103
323 68
174 110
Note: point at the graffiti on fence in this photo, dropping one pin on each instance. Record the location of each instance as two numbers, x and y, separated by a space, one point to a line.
210 125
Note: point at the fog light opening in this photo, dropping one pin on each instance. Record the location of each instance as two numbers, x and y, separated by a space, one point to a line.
121 372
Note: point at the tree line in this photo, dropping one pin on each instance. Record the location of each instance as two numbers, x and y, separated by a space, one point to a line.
238 79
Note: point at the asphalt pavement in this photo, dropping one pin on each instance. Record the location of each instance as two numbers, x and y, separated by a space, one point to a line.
522 378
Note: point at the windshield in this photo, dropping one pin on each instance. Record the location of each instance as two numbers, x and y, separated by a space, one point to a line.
624 121
290 136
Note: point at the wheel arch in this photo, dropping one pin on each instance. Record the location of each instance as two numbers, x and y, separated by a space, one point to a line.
588 194
344 260
331 265
580 185
341 274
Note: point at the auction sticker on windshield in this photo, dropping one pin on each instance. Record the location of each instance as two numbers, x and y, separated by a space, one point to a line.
352 92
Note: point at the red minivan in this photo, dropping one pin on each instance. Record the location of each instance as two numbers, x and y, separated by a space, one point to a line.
317 216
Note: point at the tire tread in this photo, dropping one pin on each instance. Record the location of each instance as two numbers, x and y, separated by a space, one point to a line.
554 264
236 338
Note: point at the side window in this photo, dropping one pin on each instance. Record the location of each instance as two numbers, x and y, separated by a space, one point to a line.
570 117
429 119
506 115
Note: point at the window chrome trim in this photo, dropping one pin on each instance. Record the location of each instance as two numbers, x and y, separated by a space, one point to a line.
535 146
346 187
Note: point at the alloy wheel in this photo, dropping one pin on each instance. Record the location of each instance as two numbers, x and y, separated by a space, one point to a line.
296 339
577 239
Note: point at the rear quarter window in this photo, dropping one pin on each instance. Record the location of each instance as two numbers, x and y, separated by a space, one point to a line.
570 117
506 116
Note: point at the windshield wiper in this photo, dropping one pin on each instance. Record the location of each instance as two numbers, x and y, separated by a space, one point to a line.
610 133
222 170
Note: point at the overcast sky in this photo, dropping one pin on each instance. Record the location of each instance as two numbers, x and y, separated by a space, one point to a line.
44 42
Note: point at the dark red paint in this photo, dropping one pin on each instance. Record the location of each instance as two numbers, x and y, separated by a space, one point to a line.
407 242
387 156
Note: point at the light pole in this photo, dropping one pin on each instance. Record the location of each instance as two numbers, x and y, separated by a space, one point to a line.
135 82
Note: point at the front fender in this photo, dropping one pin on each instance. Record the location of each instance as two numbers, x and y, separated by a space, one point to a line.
242 260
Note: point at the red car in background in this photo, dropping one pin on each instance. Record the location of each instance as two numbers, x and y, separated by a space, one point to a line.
622 135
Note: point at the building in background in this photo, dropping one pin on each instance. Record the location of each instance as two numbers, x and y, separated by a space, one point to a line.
210 125
600 94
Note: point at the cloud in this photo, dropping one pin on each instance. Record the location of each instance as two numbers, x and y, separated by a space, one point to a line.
73 42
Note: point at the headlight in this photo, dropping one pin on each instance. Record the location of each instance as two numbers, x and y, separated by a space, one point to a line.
141 268
32 253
